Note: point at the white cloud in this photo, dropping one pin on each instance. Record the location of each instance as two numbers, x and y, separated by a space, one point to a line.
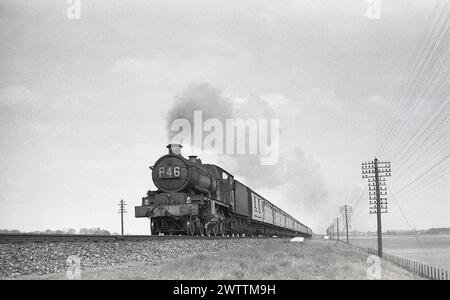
323 99
277 101
304 104
204 60
380 101
155 72
19 96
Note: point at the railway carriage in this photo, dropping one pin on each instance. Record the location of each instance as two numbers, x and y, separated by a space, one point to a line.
203 199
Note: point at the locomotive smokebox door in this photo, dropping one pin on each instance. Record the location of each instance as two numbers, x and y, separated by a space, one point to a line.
170 173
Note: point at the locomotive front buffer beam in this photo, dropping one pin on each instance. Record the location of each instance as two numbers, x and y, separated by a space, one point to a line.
167 211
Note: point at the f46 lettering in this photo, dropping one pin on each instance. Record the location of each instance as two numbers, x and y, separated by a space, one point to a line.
169 172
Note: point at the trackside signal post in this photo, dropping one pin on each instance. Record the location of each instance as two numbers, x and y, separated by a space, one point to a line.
376 172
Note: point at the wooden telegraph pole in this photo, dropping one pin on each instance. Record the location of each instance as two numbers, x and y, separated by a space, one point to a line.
376 172
346 212
337 228
122 211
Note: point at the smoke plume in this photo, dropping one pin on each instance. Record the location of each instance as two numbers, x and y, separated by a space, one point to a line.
295 178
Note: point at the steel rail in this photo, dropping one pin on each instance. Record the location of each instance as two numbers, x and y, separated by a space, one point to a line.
30 237
34 237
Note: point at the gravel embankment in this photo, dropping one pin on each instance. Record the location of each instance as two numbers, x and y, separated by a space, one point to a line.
18 259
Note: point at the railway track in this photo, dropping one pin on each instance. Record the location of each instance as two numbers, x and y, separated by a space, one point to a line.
40 254
27 237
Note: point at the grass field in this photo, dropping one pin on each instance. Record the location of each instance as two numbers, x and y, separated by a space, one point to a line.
275 259
429 249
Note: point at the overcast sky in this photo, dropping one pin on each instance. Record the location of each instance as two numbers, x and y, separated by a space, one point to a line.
84 103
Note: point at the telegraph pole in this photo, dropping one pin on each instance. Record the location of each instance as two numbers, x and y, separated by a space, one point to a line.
379 230
122 211
337 228
346 210
376 171
346 221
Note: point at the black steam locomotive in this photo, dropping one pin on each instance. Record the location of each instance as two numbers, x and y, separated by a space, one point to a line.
202 199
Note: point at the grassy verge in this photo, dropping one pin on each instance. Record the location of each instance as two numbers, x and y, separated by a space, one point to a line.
275 259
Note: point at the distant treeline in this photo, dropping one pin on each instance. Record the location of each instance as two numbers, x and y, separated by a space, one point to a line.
442 230
85 231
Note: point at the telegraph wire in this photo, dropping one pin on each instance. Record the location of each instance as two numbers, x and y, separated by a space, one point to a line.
410 70
413 92
360 197
429 184
411 228
427 181
436 90
423 174
413 65
429 151
427 147
438 145
402 154
444 98
438 84
424 66
418 135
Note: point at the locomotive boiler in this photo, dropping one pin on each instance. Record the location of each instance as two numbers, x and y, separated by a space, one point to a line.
203 199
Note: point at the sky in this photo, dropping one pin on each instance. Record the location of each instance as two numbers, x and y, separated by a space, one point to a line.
85 104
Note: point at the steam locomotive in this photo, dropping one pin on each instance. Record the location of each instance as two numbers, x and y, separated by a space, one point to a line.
202 199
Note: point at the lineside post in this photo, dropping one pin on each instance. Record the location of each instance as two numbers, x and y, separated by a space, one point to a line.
376 171
337 228
122 211
346 212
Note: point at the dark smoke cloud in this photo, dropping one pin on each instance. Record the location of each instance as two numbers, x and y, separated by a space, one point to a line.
295 174
202 97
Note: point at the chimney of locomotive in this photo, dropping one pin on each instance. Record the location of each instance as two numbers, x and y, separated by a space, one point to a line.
174 149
